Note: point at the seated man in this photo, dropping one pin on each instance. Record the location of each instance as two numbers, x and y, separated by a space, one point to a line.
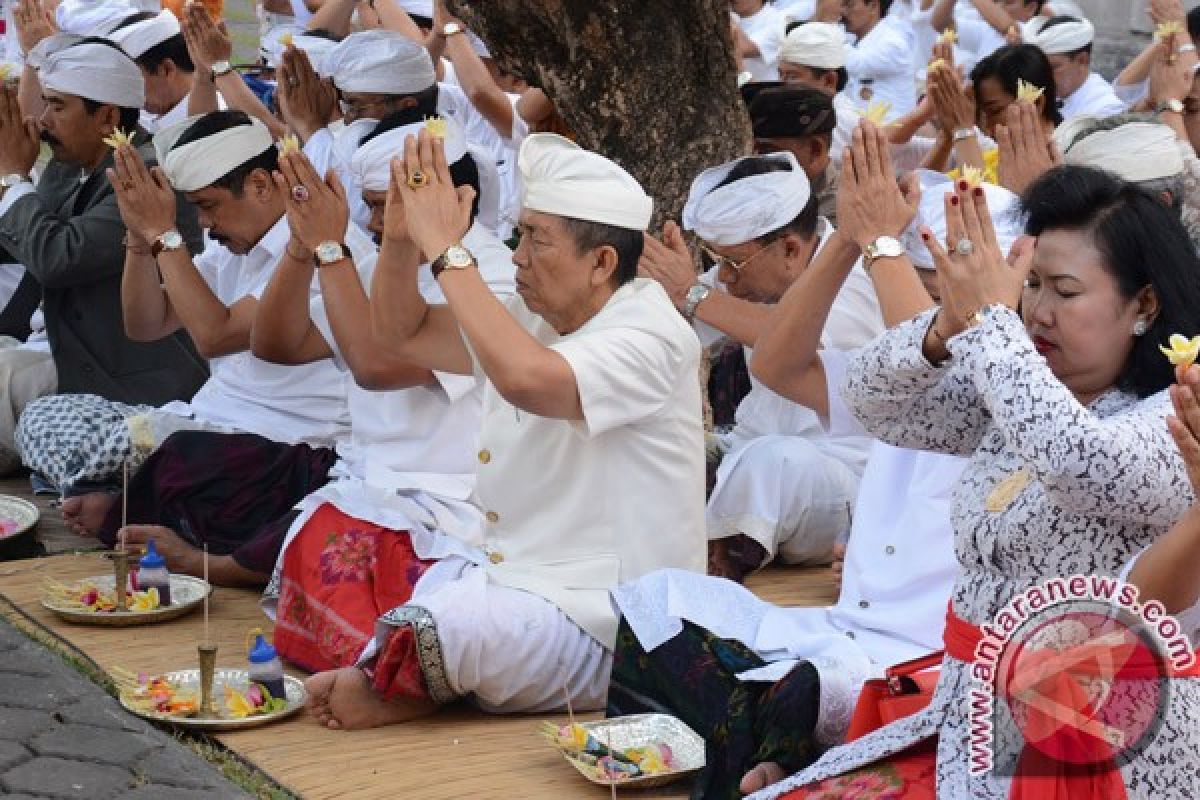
590 456
784 487
68 232
224 163
156 43
1067 43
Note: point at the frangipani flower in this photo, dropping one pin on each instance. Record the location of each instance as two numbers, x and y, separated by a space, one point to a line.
949 36
972 175
877 111
117 138
6 72
1027 92
286 40
436 126
937 63
237 704
1168 28
289 144
1183 351
145 601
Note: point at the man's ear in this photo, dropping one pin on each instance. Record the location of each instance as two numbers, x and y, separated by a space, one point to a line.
260 184
605 267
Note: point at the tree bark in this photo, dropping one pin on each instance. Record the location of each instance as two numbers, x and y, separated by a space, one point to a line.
650 84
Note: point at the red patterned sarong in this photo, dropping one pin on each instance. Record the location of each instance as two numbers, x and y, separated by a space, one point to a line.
340 574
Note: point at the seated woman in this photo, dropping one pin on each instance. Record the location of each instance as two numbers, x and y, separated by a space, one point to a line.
768 684
1062 410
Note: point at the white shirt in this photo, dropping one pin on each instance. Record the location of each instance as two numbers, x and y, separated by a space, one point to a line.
766 29
881 69
1094 98
302 403
797 10
332 147
153 123
575 507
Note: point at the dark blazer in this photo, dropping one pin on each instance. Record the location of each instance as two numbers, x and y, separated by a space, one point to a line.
69 235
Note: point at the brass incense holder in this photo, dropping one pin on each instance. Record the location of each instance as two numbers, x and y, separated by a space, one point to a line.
121 573
208 669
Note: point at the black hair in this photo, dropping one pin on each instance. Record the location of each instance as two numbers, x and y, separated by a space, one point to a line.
1016 62
1193 23
217 121
129 116
1143 244
884 7
805 223
628 243
173 48
1062 19
323 33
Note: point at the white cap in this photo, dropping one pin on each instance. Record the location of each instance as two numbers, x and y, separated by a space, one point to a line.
317 48
1065 37
561 178
92 17
815 44
380 62
1003 205
139 37
747 208
202 163
99 72
371 164
1135 151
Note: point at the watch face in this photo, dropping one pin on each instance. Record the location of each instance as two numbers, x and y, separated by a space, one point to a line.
171 240
458 256
888 246
328 252
450 29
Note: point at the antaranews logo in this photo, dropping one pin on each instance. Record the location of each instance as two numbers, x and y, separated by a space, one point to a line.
1071 676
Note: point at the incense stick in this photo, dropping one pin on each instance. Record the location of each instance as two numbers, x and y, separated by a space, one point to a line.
612 781
124 492
567 695
207 592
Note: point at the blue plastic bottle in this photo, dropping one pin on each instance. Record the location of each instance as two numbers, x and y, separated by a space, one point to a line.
152 571
266 668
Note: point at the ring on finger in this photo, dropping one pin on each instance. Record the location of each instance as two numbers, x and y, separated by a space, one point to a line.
964 246
417 179
300 193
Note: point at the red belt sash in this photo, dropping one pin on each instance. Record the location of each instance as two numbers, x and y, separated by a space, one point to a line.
1061 759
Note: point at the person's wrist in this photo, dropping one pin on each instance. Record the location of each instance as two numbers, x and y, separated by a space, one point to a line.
298 251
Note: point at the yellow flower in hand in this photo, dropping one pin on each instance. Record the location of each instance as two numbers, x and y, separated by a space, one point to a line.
1027 92
972 175
1183 351
936 64
1168 28
949 36
6 72
286 40
289 144
436 126
877 112
117 138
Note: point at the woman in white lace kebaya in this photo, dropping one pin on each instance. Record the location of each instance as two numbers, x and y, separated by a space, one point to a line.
1072 471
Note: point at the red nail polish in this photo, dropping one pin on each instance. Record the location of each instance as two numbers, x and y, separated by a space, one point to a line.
978 191
925 236
954 200
963 185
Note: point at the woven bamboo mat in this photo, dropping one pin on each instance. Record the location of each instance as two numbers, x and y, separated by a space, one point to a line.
460 753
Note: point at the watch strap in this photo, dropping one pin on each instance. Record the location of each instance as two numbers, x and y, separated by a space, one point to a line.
159 246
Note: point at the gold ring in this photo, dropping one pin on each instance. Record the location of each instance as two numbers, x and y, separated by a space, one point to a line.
417 179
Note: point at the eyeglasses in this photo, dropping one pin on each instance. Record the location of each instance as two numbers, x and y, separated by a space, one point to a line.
357 109
720 261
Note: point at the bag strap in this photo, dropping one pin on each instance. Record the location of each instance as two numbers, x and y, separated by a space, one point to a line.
915 665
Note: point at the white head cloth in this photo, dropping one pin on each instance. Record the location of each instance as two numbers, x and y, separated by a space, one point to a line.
317 48
371 164
815 44
100 72
561 178
204 162
1065 37
422 8
139 37
92 17
748 208
931 212
1135 152
380 62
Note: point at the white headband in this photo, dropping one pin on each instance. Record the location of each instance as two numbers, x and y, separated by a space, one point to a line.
91 17
380 62
1065 37
815 44
1135 151
561 178
1003 205
101 73
747 208
371 164
139 37
202 163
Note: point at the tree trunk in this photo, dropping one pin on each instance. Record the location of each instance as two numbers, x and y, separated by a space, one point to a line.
649 83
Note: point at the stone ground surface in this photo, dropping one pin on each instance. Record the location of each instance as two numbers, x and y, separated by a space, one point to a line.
62 736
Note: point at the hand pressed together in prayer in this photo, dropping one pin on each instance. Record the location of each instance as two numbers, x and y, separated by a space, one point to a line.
870 203
19 139
972 271
317 209
669 262
1185 423
1173 72
207 40
438 213
34 22
144 195
306 101
1024 148
953 101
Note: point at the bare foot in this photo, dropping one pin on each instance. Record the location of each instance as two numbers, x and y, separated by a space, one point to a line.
761 776
344 700
839 561
85 513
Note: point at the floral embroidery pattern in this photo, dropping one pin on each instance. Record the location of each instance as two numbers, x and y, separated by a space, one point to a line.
348 557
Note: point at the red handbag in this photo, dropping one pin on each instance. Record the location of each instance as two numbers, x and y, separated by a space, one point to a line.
906 689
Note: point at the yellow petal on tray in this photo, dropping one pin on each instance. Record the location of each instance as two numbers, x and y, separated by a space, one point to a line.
1182 351
1027 92
237 704
117 138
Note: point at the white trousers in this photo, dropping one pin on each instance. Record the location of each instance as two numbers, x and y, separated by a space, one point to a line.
785 493
25 375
